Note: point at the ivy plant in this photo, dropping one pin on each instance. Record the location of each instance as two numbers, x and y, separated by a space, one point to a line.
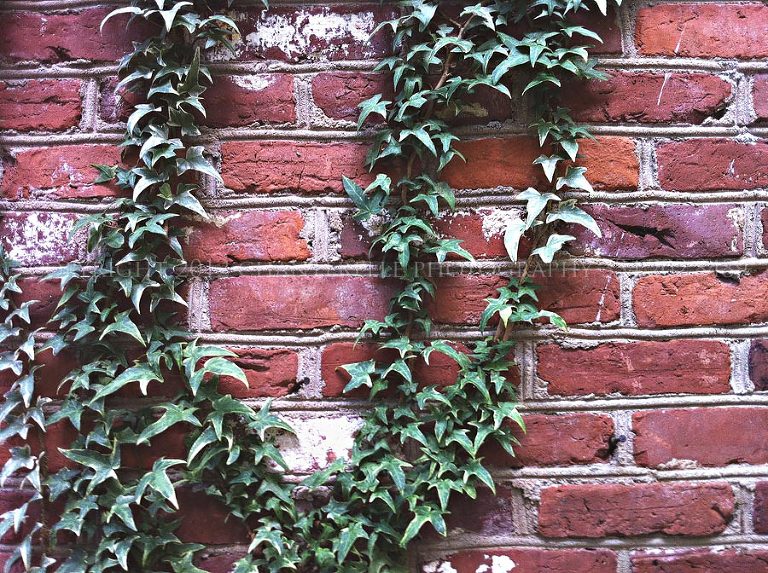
142 380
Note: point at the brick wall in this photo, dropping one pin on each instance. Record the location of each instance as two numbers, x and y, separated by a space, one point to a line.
647 449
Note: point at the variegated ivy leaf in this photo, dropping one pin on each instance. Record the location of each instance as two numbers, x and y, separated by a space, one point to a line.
512 235
569 213
575 179
555 242
535 204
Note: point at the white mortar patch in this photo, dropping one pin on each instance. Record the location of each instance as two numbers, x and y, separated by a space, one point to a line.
254 83
438 567
318 440
38 238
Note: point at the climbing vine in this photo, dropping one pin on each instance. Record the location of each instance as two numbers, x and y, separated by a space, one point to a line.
141 380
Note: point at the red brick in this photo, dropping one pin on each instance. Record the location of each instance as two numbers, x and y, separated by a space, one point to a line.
723 30
305 34
242 236
761 507
611 163
220 562
487 514
583 296
662 231
278 302
481 239
701 561
269 166
38 238
65 36
206 520
11 499
271 373
626 97
684 300
708 436
40 105
712 164
758 364
170 444
440 371
607 510
64 172
764 221
531 560
240 101
760 96
558 440
636 368
47 293
338 94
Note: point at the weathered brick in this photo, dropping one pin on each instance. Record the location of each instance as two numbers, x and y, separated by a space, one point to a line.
558 440
40 105
683 300
481 232
40 238
487 514
761 507
712 164
760 96
271 373
722 30
708 436
583 296
278 302
338 95
662 231
611 163
440 371
207 520
240 101
628 97
636 368
232 101
311 33
269 166
527 559
608 510
241 236
701 561
65 36
758 364
64 172
220 562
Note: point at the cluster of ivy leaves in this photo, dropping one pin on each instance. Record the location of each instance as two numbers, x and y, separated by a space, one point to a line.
140 379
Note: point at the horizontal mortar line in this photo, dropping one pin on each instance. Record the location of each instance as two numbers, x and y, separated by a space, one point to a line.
584 404
330 135
100 70
472 541
481 266
608 333
745 472
479 198
447 269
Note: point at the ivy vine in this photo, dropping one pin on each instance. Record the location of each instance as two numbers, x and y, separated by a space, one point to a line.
141 378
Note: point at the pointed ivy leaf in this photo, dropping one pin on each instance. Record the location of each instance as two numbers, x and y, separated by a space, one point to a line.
196 162
574 178
555 242
512 235
569 213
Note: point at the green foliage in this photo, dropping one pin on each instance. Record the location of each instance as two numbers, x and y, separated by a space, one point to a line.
419 445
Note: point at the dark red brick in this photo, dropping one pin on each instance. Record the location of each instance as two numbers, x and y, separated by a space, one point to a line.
40 105
278 302
608 510
686 300
758 364
242 236
636 368
701 561
712 164
722 30
708 436
64 172
530 559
